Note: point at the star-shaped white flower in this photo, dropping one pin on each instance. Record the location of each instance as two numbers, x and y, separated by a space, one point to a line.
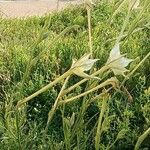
83 64
117 62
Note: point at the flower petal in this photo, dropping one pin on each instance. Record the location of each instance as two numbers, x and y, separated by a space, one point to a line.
125 61
88 64
118 62
79 62
115 53
119 71
80 72
84 62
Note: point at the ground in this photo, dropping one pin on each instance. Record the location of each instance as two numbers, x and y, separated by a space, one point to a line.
14 9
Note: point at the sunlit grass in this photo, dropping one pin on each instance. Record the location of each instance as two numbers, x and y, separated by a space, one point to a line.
49 101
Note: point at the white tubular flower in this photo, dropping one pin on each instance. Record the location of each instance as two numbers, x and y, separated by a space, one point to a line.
83 64
117 62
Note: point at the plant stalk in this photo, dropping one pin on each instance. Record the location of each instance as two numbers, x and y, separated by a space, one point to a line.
141 139
45 88
99 131
84 80
111 81
53 110
89 29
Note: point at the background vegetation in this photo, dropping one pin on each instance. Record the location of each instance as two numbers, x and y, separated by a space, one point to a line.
56 39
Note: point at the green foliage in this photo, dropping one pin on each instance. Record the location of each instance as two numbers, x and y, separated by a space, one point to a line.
75 124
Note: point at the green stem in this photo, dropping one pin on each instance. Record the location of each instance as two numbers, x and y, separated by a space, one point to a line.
109 147
107 82
141 139
66 139
139 16
83 108
117 10
45 88
89 28
124 25
18 130
99 131
33 61
100 95
132 72
53 110
84 80
56 39
143 60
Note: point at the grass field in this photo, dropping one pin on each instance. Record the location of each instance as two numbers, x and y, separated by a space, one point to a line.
111 111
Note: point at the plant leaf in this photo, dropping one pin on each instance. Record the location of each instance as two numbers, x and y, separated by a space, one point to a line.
121 134
72 119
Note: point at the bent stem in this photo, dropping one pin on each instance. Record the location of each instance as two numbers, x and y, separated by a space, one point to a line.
111 81
53 110
100 95
45 88
84 80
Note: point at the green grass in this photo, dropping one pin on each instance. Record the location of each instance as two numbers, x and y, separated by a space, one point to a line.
21 40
